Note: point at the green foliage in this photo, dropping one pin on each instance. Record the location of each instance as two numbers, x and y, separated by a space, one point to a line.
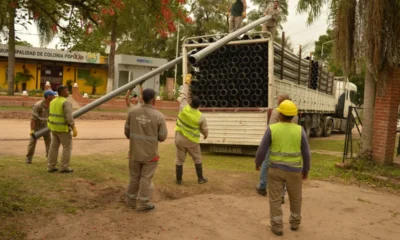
328 58
22 77
23 43
93 82
35 92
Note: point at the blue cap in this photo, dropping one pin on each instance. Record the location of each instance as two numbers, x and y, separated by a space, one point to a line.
49 93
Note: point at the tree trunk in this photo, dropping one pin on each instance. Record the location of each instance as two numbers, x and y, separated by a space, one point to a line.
11 52
111 57
368 115
93 90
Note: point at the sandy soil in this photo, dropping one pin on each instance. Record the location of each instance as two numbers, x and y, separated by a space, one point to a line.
327 214
330 211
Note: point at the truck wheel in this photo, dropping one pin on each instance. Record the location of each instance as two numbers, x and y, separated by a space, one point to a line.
328 128
318 131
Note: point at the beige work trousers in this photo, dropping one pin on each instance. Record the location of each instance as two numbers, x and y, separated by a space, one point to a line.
184 146
276 181
32 146
140 183
65 139
235 23
270 29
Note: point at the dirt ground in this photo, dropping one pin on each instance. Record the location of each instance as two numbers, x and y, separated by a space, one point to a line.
327 214
330 211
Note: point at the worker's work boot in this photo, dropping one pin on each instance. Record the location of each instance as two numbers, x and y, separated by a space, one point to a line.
179 173
199 171
144 206
262 192
28 160
276 232
131 200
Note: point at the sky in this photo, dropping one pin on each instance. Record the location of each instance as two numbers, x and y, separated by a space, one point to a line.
295 27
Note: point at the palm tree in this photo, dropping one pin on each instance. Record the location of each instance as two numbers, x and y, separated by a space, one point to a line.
365 32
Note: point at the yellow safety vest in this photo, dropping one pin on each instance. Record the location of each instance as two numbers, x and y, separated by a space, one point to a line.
286 145
56 121
188 123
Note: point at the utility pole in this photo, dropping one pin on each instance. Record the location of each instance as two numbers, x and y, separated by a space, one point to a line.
176 56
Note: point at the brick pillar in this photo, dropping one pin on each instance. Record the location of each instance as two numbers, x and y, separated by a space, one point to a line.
385 119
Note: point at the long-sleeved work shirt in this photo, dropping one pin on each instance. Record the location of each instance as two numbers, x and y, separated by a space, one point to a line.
67 107
40 114
145 127
266 144
275 13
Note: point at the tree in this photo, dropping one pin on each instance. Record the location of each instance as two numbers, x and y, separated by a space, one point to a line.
49 16
116 27
93 82
22 77
23 43
365 32
328 59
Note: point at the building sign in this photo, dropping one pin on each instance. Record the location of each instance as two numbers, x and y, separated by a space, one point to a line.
141 60
51 54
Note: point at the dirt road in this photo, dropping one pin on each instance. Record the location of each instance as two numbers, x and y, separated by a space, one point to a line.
108 134
330 212
94 137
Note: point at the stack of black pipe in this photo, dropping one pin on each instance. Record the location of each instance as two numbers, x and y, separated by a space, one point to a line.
233 76
314 75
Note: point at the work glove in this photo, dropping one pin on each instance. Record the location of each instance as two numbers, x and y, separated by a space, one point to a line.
188 78
74 131
244 15
32 132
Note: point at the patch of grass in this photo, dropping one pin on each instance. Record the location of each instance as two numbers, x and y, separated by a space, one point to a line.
368 166
332 145
11 231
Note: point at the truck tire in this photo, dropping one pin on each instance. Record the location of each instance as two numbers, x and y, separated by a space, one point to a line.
328 128
318 131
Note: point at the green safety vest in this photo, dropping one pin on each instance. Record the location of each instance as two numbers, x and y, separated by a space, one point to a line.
237 8
56 121
188 123
286 145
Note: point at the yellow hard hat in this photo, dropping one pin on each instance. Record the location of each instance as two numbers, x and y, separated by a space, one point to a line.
287 108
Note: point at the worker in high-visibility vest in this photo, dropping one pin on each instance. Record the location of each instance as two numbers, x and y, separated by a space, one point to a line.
262 186
289 162
190 123
61 122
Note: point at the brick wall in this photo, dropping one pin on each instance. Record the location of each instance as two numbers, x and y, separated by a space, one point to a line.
385 120
18 101
119 103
